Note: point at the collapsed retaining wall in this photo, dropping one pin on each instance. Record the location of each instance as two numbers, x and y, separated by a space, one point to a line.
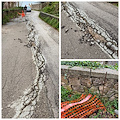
94 33
84 80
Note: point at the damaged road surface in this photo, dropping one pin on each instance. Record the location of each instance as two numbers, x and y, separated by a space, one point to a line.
88 31
29 83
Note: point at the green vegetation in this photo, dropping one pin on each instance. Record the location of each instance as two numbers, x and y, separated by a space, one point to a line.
53 22
68 95
114 3
51 8
15 8
88 64
10 14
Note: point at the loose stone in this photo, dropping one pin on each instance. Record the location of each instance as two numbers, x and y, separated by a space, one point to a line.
108 44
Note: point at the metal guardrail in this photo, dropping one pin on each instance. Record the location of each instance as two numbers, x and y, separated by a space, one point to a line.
46 14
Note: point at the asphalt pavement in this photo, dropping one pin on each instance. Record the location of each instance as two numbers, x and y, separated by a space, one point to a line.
104 14
77 40
18 69
19 72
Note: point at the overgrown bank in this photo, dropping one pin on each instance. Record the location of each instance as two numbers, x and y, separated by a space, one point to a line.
8 14
53 9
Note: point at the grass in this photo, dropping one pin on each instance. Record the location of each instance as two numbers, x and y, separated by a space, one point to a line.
114 3
53 22
52 8
8 17
15 8
68 95
10 14
88 64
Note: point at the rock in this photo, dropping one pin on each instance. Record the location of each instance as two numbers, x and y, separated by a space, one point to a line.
93 26
115 55
76 88
98 41
115 42
93 89
95 30
114 48
32 108
102 45
88 40
34 103
108 39
109 51
97 81
116 111
86 82
116 86
62 83
74 81
108 44
106 89
105 47
101 88
66 30
98 32
112 98
62 27
92 43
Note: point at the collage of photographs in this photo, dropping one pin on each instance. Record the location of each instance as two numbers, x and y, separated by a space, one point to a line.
59 59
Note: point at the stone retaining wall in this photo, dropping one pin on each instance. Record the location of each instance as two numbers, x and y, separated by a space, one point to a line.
92 31
43 14
86 80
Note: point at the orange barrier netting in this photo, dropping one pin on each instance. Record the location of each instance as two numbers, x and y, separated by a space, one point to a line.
81 107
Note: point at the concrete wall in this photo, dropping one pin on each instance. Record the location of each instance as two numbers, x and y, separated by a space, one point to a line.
39 6
85 80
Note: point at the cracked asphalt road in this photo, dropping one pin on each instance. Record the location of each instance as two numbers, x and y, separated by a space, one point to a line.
70 45
49 39
18 69
104 14
74 45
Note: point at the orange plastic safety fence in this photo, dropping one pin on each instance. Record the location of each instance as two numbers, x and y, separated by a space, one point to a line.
83 109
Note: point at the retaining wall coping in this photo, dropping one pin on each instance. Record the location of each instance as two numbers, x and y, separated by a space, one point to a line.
49 15
113 74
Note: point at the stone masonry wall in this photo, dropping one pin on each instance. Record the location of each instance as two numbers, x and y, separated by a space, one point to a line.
84 81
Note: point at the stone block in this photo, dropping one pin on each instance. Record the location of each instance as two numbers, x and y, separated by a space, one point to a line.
86 82
78 88
93 89
97 81
74 81
64 80
116 86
